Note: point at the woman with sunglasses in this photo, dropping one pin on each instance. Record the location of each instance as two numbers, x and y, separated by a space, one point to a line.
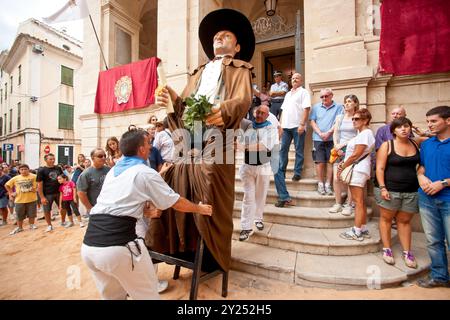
343 132
358 150
396 191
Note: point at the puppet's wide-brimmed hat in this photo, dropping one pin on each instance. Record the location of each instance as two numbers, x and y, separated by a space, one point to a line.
231 20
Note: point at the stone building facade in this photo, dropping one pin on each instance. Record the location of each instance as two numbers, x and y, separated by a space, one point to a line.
38 101
333 43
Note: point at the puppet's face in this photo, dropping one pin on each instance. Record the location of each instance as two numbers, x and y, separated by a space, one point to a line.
225 43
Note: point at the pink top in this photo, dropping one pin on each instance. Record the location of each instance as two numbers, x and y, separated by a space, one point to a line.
67 190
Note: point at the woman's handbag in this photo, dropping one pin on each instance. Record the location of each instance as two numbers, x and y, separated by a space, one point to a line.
346 174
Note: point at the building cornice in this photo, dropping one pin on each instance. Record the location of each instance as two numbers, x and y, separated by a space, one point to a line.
20 44
341 84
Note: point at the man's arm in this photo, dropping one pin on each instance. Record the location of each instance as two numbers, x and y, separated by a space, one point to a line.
428 186
41 193
84 200
302 124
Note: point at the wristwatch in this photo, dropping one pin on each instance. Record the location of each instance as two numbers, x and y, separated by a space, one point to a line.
444 182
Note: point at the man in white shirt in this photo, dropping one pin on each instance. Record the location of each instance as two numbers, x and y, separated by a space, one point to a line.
260 138
277 92
118 260
163 140
295 113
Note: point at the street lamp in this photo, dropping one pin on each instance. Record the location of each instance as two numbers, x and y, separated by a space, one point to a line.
271 6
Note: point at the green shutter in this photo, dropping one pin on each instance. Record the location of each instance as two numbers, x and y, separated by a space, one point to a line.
65 116
67 76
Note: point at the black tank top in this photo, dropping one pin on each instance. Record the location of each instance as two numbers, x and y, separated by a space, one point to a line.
400 174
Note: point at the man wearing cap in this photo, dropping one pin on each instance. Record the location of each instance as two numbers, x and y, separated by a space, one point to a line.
277 92
228 41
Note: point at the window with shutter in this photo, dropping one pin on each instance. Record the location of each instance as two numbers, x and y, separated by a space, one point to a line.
19 111
67 76
65 116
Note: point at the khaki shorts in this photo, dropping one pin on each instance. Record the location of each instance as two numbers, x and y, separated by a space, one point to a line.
400 201
24 210
359 179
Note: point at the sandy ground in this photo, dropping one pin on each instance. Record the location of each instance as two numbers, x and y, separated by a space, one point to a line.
36 265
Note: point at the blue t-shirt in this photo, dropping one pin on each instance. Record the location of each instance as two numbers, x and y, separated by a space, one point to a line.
3 180
155 159
435 157
325 117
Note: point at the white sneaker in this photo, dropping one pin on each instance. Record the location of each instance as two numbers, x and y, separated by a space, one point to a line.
335 208
3 223
33 227
162 285
82 225
328 189
347 210
49 228
68 224
15 231
321 189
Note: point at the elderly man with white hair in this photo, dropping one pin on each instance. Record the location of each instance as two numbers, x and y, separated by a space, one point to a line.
323 116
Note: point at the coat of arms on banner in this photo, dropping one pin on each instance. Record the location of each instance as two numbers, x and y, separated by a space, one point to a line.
122 90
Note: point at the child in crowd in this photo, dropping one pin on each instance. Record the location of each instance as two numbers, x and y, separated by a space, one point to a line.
25 200
67 200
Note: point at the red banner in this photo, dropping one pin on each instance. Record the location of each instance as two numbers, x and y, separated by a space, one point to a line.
127 87
415 36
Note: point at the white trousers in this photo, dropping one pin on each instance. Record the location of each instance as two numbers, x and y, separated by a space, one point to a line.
112 271
256 181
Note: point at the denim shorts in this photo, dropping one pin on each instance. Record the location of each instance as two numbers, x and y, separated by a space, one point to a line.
4 202
400 201
51 198
321 151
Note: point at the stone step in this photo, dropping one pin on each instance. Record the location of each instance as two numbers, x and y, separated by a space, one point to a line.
311 240
303 216
289 171
302 185
299 198
367 271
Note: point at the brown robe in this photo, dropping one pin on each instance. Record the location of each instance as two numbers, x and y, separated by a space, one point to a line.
210 183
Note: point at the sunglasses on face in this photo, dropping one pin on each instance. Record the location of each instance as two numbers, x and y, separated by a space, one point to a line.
100 156
356 119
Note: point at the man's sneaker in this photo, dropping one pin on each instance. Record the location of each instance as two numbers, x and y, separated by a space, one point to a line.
49 229
410 260
321 189
328 190
15 231
431 283
351 235
245 234
69 224
335 208
63 224
3 223
162 285
283 203
82 225
347 210
33 227
259 225
296 178
366 234
388 257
